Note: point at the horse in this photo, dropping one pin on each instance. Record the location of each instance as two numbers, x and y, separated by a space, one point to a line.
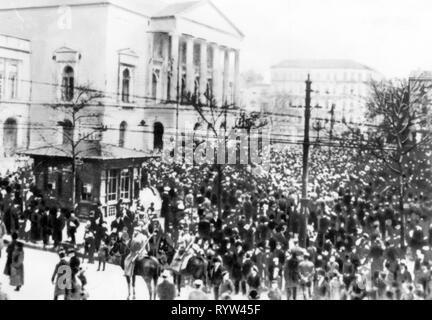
148 268
194 269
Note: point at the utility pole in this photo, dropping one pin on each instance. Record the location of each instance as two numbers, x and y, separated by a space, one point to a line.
305 176
332 121
178 100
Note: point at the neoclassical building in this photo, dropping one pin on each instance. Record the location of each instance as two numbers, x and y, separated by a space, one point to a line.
142 56
342 83
14 97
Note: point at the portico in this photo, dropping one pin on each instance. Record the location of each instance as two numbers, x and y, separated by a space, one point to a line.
199 59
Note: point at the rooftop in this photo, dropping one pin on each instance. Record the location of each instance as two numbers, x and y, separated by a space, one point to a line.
175 8
88 151
321 64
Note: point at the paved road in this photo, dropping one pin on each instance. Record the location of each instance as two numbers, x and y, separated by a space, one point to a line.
107 285
38 268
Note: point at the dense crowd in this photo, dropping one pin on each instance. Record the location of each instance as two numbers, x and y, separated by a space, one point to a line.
251 245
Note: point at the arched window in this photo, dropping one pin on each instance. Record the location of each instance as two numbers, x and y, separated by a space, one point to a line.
126 85
122 135
68 132
158 131
10 137
68 83
154 85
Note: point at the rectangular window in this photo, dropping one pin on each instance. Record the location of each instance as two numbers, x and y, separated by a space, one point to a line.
125 184
112 211
12 81
112 185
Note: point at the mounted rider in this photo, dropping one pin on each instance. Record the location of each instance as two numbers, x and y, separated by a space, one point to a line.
138 250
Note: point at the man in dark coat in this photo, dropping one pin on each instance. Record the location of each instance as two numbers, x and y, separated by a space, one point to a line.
9 251
215 276
73 224
166 207
58 226
166 289
247 209
117 224
237 273
46 227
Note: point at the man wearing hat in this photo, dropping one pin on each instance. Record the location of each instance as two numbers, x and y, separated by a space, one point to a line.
227 286
322 287
166 207
254 295
166 289
306 273
253 280
215 275
197 292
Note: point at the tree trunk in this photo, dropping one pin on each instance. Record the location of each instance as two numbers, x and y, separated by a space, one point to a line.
401 210
219 197
74 183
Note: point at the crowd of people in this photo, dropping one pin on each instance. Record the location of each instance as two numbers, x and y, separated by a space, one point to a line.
249 233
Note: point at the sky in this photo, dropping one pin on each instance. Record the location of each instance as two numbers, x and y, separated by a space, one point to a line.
392 36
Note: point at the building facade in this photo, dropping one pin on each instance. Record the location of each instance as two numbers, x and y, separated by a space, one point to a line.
139 57
342 83
14 97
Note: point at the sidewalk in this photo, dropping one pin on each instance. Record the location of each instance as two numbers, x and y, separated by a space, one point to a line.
79 236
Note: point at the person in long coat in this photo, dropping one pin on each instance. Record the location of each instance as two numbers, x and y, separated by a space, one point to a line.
17 267
58 226
291 276
2 234
46 228
9 251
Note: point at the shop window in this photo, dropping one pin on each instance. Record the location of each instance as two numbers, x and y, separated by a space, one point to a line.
125 184
112 185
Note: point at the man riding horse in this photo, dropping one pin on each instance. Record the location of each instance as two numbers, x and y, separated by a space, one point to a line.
138 262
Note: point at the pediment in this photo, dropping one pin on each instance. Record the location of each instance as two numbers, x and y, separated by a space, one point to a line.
206 13
66 55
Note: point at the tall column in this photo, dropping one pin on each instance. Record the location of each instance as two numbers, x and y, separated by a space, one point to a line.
190 72
174 56
166 67
226 76
150 39
237 78
217 94
203 70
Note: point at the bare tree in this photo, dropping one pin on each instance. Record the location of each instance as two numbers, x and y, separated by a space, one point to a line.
80 114
214 117
400 109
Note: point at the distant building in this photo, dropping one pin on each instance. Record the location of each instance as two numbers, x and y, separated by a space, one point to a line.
343 83
14 95
256 97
